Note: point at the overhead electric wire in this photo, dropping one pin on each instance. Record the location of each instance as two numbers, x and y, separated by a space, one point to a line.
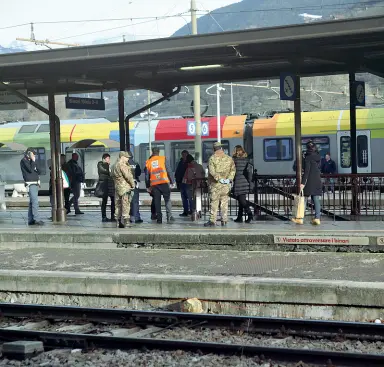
373 4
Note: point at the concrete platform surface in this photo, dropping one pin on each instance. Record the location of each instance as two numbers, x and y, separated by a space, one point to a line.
326 266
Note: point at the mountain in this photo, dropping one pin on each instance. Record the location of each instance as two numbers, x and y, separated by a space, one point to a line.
271 13
6 50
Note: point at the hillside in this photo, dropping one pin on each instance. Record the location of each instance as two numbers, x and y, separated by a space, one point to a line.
271 13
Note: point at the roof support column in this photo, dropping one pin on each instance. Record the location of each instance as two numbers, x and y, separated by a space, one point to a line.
297 110
56 174
120 98
352 109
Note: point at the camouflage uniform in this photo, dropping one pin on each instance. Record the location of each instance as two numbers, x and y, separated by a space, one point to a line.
124 185
220 166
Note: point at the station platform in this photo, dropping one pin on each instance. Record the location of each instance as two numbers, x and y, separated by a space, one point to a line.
87 231
311 285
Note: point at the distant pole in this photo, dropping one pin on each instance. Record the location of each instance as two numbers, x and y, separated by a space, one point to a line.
218 112
196 94
149 123
232 112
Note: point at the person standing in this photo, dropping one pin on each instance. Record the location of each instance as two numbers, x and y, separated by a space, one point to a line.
31 173
194 174
328 167
311 182
76 178
148 186
124 186
158 176
221 172
108 187
242 184
179 175
135 204
67 191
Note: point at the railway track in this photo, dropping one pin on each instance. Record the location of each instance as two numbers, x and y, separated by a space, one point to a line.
89 328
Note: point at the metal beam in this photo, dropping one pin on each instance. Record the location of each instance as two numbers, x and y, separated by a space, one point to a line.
120 99
297 110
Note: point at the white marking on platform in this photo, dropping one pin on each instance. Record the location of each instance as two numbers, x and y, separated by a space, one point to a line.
321 240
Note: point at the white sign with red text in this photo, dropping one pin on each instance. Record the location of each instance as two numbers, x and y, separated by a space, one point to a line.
320 240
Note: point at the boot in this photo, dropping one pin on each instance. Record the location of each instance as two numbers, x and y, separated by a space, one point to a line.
159 219
119 224
250 217
223 224
239 218
209 224
105 220
170 220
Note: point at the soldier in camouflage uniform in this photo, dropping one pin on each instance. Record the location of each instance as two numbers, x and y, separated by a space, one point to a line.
124 186
222 171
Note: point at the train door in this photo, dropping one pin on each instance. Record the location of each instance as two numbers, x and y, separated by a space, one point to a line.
363 147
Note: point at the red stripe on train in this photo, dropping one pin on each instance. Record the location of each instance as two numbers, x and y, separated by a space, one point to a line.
71 133
177 129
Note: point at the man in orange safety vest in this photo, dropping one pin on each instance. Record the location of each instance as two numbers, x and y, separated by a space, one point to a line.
158 178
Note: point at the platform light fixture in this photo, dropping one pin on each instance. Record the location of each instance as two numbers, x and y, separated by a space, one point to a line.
201 67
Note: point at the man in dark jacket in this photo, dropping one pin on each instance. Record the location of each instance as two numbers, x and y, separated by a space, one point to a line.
328 167
76 178
179 175
135 204
31 178
107 187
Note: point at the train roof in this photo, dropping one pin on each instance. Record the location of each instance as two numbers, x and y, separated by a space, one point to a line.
63 122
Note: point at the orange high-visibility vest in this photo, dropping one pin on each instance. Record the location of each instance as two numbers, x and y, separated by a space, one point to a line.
157 170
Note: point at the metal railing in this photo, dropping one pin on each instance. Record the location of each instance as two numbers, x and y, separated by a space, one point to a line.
344 197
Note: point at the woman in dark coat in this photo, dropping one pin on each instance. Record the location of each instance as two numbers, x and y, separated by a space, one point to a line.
241 184
311 182
107 184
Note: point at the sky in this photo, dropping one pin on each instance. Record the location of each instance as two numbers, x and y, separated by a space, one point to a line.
132 27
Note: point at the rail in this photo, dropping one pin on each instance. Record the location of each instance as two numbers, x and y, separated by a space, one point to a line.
48 316
345 197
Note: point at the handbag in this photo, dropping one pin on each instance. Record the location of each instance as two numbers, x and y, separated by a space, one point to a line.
298 210
101 189
65 180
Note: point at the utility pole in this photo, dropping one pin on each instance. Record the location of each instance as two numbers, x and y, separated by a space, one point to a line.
196 95
44 42
149 123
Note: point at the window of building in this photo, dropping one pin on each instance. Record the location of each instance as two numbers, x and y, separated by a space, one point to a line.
362 151
41 161
208 149
177 148
322 143
145 152
43 128
27 129
345 151
278 149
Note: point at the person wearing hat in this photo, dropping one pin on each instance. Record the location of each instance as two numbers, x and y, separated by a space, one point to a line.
221 172
31 173
124 186
311 182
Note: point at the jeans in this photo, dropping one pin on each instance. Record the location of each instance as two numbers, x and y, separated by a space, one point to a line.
189 191
184 197
316 202
67 194
33 211
165 191
135 205
76 187
104 206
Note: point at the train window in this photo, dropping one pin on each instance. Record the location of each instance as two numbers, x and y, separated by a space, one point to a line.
41 159
43 128
345 151
208 149
27 129
177 148
322 143
362 151
278 149
145 153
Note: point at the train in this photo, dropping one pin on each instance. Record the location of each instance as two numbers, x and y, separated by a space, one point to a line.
268 140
